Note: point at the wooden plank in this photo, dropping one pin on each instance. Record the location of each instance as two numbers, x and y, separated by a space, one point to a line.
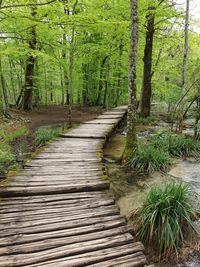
61 212
67 250
93 257
69 188
54 242
42 198
47 226
95 226
136 259
74 205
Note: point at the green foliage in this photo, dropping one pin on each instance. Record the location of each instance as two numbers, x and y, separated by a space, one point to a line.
45 135
146 158
165 219
16 134
147 121
176 145
7 158
12 133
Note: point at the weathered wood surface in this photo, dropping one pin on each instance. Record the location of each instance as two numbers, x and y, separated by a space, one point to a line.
56 212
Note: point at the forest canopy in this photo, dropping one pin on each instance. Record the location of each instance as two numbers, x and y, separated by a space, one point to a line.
64 52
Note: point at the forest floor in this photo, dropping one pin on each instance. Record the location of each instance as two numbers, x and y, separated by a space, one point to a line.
18 128
130 188
52 115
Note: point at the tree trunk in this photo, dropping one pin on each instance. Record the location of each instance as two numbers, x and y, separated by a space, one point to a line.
184 74
131 139
147 70
85 97
12 81
98 101
29 73
184 71
105 101
65 75
3 85
69 91
116 103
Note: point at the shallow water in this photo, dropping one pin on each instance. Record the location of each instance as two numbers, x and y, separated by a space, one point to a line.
189 171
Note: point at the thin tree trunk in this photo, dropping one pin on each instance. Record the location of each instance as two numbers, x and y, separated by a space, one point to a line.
85 84
69 91
98 101
29 73
119 75
197 118
105 102
185 58
180 116
36 87
12 82
62 86
3 85
147 70
131 139
65 75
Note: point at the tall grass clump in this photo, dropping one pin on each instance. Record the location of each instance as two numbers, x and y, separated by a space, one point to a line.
44 135
176 145
152 120
166 218
7 158
147 158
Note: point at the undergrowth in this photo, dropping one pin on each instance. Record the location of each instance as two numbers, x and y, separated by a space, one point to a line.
176 145
7 135
165 221
7 158
152 120
156 155
147 158
44 135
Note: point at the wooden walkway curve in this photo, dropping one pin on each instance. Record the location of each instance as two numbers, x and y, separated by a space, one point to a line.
57 213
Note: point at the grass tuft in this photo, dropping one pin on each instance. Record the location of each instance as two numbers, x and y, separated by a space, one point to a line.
44 135
146 158
166 217
7 158
152 120
176 145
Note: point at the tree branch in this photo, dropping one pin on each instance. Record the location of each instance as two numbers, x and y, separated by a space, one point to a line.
28 5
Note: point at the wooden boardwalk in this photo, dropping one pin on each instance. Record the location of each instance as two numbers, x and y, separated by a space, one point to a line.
57 212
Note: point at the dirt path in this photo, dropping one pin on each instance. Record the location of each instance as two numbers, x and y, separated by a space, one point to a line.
55 115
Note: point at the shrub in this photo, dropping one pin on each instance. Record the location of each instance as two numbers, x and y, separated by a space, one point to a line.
165 219
45 135
147 121
7 158
150 159
176 145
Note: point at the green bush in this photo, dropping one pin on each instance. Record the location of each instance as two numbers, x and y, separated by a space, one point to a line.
7 159
166 217
176 145
150 159
147 121
44 135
